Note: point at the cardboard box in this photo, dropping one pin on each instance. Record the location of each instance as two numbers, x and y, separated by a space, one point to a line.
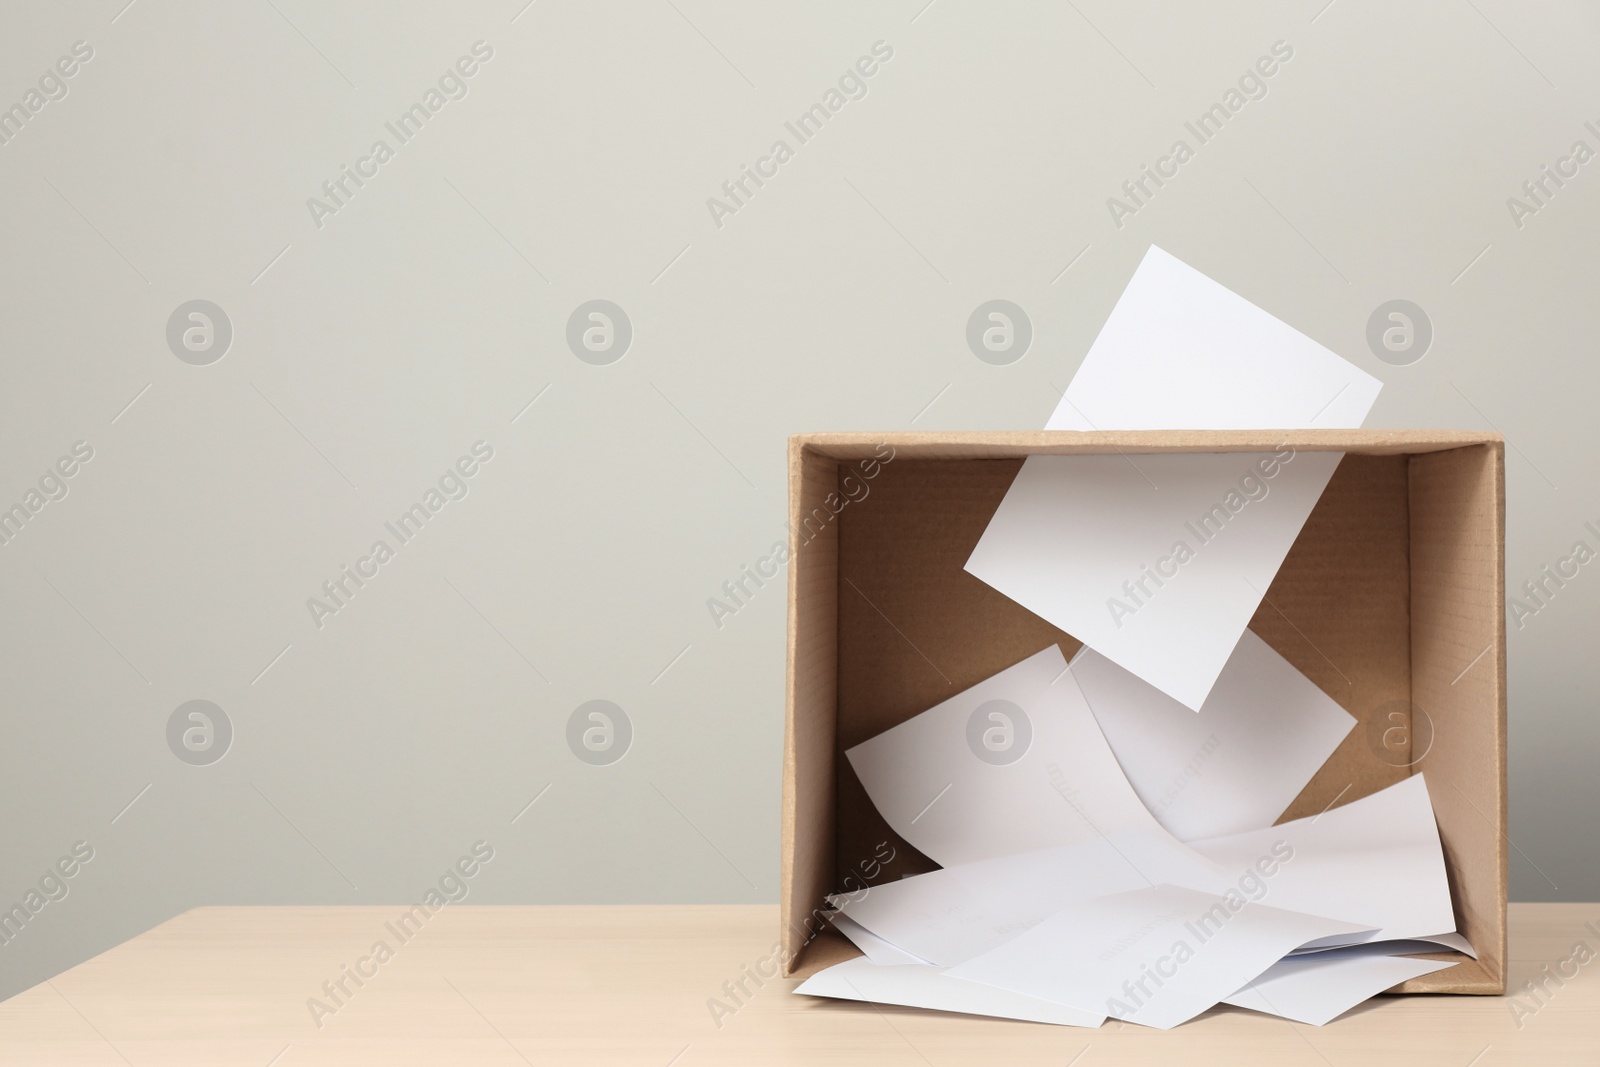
1391 600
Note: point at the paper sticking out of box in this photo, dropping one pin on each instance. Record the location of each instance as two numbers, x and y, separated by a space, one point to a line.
1158 562
1261 734
1013 764
1183 352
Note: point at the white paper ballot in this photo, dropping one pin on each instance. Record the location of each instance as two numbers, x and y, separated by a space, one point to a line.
1451 940
917 986
1375 861
874 947
1261 735
1180 351
949 916
1318 988
1157 956
1015 763
1157 562
1409 946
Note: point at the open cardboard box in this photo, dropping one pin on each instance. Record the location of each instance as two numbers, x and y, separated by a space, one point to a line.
1391 600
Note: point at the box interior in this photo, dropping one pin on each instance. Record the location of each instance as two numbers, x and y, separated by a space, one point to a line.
1390 601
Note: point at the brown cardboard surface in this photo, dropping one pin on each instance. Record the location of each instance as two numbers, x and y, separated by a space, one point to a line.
1397 571
1015 444
1339 610
914 628
1458 646
808 807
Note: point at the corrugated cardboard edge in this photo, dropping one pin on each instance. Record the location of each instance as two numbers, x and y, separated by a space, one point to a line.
806 864
1452 630
1015 444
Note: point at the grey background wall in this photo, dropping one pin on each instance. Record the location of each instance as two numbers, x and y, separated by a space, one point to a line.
376 339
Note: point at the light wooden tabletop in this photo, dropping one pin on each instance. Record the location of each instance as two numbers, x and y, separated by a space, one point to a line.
633 985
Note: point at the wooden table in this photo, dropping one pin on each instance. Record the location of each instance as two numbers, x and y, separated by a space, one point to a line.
631 985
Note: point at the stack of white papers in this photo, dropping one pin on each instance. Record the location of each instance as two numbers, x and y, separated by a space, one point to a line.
951 915
1036 917
1159 956
1318 987
1105 828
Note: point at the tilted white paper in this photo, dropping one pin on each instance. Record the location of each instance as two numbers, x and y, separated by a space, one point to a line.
1319 987
921 986
1262 734
1157 562
1181 351
1376 861
1407 946
951 915
1014 764
875 948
